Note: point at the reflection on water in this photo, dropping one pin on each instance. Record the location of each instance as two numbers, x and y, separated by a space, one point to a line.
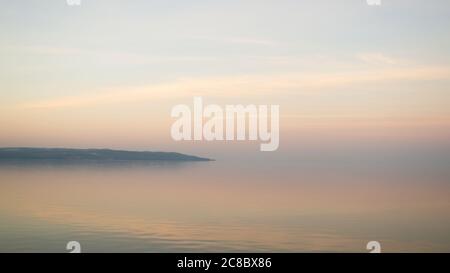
220 206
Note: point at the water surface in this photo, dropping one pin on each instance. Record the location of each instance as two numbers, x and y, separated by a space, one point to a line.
222 206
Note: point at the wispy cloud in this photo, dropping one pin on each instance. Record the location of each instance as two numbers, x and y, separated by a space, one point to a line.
237 40
114 56
246 86
376 58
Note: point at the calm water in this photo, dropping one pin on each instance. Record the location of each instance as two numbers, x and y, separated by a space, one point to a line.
222 206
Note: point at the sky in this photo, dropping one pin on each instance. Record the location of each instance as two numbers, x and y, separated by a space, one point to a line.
107 73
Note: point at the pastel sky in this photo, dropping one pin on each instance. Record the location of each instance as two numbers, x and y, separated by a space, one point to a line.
107 73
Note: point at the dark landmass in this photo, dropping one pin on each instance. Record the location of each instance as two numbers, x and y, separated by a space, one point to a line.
91 154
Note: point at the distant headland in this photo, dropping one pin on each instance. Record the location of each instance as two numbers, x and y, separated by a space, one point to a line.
92 154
